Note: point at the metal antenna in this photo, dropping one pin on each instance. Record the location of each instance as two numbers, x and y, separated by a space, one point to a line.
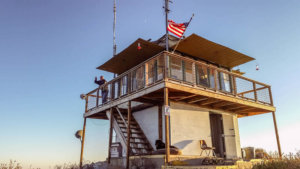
167 32
114 34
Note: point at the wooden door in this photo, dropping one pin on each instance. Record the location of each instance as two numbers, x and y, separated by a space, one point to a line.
217 134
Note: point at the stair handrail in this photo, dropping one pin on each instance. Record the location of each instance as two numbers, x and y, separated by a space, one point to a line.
121 116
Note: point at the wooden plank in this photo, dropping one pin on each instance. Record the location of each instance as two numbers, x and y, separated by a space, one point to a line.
208 101
185 97
221 104
198 99
82 143
277 135
110 135
167 134
217 95
128 134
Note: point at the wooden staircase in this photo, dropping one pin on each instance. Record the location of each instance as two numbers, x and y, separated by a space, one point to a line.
139 144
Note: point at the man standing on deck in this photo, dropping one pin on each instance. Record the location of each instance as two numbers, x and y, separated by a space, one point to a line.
104 90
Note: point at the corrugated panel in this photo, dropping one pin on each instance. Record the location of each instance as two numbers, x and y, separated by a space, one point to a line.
131 56
197 46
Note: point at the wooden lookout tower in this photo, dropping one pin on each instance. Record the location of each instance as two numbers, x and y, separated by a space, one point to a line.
178 97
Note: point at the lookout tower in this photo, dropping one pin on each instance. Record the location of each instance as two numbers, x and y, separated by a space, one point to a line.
178 97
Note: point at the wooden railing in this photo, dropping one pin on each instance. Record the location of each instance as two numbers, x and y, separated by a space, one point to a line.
143 75
181 69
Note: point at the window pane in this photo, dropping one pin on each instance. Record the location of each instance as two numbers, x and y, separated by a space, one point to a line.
225 82
160 67
176 68
202 76
188 71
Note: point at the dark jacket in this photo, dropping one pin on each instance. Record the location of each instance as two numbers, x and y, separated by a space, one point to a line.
100 83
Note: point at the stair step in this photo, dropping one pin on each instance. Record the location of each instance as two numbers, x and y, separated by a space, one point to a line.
141 138
132 142
140 148
132 127
121 121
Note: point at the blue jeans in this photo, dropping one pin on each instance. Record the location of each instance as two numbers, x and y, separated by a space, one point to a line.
104 95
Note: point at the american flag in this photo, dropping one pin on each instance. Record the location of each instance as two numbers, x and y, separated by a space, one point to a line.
177 28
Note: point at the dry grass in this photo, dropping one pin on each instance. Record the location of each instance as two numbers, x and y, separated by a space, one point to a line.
289 161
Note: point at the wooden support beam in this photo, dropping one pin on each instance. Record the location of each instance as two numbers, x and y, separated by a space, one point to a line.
147 100
82 143
211 94
167 134
198 99
160 131
245 109
128 135
236 107
221 104
185 97
208 101
277 135
110 135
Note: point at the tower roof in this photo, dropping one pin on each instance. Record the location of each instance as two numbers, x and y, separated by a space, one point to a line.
193 45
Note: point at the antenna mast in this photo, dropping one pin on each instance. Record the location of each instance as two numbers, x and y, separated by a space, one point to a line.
167 32
114 33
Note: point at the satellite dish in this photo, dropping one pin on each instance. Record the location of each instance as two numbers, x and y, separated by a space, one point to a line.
82 96
78 134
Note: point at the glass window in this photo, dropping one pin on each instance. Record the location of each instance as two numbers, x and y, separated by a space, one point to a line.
124 85
225 82
202 76
188 71
176 68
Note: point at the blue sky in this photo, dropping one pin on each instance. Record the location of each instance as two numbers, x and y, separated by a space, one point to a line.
49 51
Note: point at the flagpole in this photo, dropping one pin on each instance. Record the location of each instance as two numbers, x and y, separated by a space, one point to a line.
114 34
167 32
182 34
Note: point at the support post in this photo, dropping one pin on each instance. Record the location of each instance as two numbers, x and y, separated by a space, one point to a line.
110 135
254 90
277 135
167 134
160 122
128 135
82 143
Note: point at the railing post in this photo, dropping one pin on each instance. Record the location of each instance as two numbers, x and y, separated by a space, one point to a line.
86 103
234 85
194 73
146 74
215 79
270 95
166 74
254 89
97 98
